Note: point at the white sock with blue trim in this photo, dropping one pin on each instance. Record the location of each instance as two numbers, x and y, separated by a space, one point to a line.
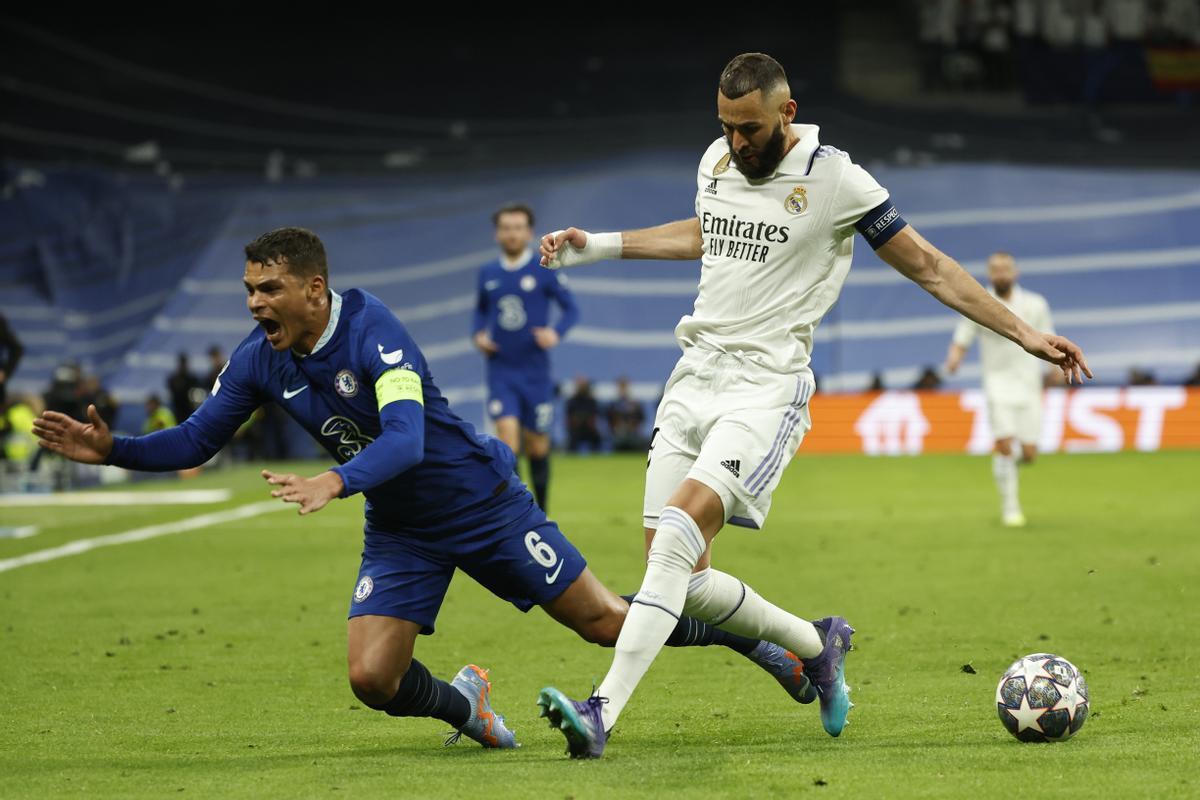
655 610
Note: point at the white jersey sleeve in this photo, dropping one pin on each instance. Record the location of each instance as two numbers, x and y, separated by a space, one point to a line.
857 194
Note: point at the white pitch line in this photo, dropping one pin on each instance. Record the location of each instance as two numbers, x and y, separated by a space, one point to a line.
184 497
142 534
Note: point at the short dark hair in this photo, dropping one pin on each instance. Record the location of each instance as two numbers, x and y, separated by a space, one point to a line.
513 208
297 248
749 72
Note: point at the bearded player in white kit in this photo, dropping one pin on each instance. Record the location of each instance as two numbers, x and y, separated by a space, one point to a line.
1012 381
775 217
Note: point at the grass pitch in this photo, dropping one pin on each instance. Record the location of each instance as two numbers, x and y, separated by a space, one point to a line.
211 663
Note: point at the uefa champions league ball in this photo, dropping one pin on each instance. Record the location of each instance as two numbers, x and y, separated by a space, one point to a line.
1042 698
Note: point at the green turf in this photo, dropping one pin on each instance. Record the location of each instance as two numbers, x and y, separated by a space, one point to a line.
211 663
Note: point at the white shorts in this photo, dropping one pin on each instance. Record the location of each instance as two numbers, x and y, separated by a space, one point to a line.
1020 420
730 424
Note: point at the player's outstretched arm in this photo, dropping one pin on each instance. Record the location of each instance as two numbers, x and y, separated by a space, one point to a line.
943 277
86 443
573 247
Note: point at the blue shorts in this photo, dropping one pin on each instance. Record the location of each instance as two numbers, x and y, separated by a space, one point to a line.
530 398
527 562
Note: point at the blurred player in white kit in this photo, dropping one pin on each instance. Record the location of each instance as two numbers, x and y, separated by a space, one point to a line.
1012 380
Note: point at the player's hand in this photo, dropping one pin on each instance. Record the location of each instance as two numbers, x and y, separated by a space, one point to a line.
311 494
561 248
486 344
3 376
86 443
545 337
1060 351
950 367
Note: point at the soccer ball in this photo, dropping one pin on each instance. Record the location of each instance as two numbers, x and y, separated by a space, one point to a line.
1042 698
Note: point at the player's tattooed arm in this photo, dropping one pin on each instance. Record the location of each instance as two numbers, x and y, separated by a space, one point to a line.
673 241
913 256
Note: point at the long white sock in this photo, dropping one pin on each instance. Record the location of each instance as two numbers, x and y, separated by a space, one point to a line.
655 610
726 602
1004 471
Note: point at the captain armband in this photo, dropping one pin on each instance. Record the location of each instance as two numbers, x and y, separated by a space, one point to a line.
398 384
880 224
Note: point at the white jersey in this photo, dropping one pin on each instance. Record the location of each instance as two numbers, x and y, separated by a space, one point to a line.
1010 375
776 251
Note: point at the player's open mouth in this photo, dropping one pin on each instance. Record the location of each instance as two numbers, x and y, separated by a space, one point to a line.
271 328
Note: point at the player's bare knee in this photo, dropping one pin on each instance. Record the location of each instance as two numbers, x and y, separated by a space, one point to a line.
604 629
373 684
1004 447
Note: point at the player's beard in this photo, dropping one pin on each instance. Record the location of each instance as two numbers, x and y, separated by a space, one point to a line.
766 160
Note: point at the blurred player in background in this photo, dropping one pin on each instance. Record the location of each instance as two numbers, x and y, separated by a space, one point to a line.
512 329
776 213
439 496
1012 380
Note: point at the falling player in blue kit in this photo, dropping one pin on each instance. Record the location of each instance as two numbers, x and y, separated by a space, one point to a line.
439 496
511 327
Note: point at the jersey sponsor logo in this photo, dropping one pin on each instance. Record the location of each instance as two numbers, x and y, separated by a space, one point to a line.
288 394
346 384
733 465
712 187
528 283
391 359
351 440
364 589
512 312
797 201
722 165
743 229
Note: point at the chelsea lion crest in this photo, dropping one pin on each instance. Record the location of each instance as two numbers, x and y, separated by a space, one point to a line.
797 201
363 590
346 384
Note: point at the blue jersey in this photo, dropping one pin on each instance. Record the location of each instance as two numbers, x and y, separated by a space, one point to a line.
366 395
513 302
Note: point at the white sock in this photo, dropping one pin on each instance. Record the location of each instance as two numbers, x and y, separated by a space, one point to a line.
655 610
1004 471
724 601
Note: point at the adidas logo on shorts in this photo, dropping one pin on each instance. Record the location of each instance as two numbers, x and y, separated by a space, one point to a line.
733 466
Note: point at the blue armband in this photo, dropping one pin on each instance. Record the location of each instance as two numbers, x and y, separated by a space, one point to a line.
880 224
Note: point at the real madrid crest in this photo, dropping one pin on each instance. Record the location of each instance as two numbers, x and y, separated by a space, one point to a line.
346 384
797 201
721 166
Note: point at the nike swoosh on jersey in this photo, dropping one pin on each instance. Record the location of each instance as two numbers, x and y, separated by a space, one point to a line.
392 358
491 285
288 394
553 576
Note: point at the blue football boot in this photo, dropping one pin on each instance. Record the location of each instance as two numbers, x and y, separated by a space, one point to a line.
484 725
786 668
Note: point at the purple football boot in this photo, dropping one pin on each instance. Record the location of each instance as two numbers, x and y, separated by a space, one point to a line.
827 671
579 720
